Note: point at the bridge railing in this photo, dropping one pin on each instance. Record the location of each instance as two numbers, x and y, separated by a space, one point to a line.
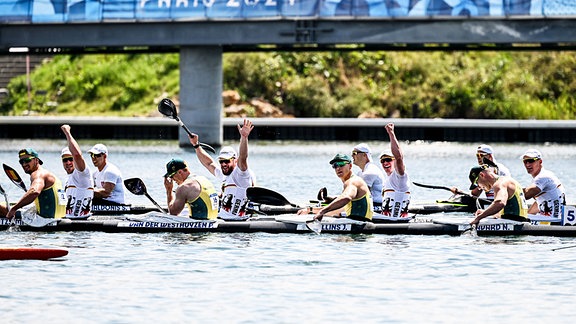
64 11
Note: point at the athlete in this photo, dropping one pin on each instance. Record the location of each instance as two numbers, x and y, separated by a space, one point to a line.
546 188
355 201
369 172
109 187
508 203
80 185
195 191
232 171
45 190
396 187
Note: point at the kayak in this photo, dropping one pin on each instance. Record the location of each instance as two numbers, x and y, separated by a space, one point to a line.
269 202
454 204
156 222
28 253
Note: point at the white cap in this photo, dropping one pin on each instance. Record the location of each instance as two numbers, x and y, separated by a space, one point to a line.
227 152
532 153
386 153
485 148
364 148
66 151
99 149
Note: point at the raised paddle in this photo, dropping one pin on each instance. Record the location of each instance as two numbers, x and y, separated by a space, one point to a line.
137 187
167 108
485 201
14 177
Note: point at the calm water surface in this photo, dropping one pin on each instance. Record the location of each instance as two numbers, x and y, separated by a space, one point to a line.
292 278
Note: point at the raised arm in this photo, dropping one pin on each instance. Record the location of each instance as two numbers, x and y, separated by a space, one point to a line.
243 152
74 148
396 150
206 160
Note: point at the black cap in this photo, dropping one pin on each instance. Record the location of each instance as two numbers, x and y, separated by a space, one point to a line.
474 173
173 166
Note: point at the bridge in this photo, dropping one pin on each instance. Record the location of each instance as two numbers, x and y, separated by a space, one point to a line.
201 30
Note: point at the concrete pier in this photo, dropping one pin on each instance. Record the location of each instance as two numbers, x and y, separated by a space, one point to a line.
201 93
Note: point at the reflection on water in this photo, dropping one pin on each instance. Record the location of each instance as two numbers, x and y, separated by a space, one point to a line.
291 278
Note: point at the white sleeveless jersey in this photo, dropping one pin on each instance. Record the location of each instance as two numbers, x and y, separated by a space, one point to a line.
396 195
233 202
79 193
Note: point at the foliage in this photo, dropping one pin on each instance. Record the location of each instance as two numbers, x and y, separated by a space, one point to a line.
495 85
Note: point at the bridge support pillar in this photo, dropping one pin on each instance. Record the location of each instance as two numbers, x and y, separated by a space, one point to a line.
201 94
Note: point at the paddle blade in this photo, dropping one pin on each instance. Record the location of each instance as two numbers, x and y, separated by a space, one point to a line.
315 226
266 196
167 108
14 177
32 219
135 186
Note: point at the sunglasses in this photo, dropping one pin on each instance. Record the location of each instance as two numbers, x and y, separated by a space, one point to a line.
386 160
224 161
25 160
339 164
96 155
68 159
532 160
356 153
482 154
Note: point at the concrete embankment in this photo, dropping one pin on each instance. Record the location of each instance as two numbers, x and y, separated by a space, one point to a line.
316 129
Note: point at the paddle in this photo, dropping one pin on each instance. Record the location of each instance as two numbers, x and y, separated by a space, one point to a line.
3 193
14 177
31 218
266 196
167 108
485 201
137 187
323 196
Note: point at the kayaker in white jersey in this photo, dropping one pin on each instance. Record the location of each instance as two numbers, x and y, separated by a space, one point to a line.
232 171
546 188
79 186
370 172
108 183
396 187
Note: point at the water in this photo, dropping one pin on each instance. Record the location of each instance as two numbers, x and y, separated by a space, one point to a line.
291 278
